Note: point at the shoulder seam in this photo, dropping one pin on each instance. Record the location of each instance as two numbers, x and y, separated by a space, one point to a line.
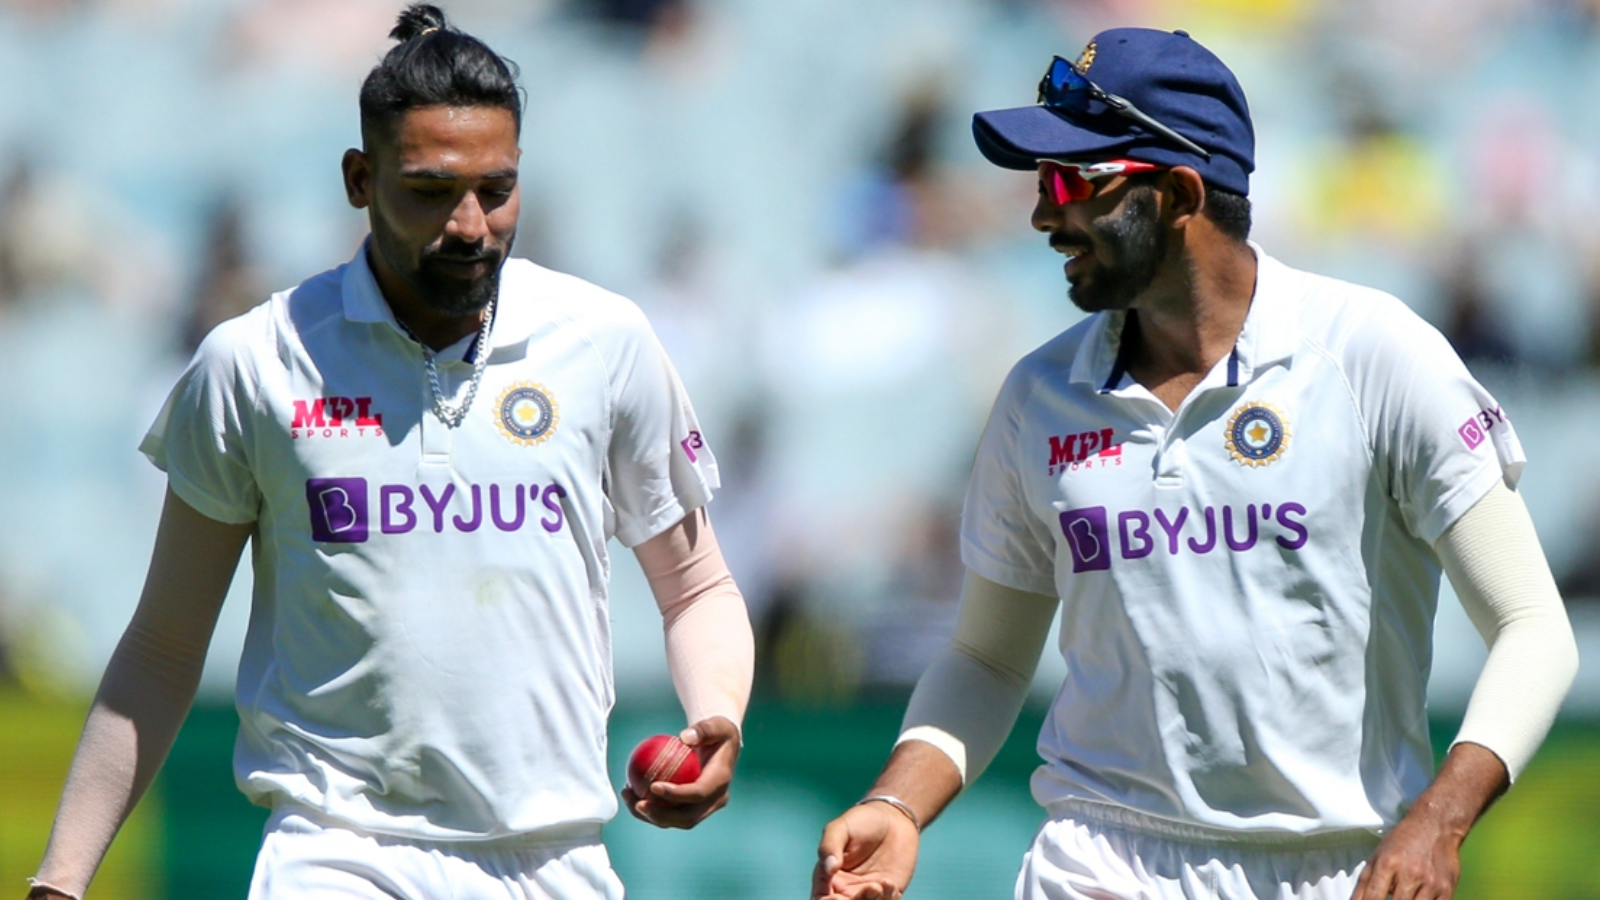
1350 392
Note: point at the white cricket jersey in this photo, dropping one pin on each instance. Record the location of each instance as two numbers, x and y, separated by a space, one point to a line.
1248 583
429 650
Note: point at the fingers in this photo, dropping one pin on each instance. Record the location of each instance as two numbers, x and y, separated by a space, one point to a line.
1395 875
630 802
716 774
822 874
835 836
710 732
668 805
830 859
1369 886
716 744
849 866
678 805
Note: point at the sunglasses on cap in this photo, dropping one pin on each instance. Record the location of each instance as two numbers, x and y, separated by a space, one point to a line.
1074 182
1064 86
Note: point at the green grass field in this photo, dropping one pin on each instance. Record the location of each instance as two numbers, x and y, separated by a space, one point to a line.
195 836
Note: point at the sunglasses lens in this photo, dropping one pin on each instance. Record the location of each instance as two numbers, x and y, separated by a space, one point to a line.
1063 87
1065 185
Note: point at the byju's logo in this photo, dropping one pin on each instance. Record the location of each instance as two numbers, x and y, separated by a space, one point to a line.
340 512
338 509
1073 451
335 417
1476 429
1087 538
1138 534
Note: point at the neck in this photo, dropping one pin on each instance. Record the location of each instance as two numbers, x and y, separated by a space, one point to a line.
1189 322
433 329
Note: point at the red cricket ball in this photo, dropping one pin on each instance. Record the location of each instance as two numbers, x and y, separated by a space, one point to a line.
661 758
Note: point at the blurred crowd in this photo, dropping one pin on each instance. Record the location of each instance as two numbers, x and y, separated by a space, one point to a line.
791 193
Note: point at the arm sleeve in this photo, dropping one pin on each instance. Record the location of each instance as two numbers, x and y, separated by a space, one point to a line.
1493 559
710 647
967 701
659 465
145 693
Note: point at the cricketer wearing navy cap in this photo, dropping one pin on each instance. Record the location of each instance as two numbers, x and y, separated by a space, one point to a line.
1153 96
1237 482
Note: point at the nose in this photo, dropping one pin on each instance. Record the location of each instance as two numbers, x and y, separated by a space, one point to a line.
1046 214
468 221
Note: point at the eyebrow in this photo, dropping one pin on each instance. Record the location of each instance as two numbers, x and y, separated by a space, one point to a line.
447 175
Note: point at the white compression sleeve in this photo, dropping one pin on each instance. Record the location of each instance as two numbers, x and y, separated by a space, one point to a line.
967 701
1494 561
710 647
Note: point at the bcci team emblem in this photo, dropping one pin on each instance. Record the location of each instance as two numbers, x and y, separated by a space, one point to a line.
526 414
1257 434
1086 58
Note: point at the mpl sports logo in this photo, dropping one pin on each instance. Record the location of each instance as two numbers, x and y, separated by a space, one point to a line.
1476 430
1071 452
342 511
335 417
1139 533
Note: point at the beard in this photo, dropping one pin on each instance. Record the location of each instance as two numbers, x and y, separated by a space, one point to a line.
1127 249
443 293
450 296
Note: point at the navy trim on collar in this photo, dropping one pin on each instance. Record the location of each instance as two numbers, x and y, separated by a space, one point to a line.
1120 366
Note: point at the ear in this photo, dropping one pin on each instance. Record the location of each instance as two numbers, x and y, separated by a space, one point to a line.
1188 195
357 168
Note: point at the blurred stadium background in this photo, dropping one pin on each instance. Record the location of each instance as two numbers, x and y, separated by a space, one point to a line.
790 191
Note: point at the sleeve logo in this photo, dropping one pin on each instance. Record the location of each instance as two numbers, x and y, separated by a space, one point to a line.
692 443
1257 435
1476 430
527 414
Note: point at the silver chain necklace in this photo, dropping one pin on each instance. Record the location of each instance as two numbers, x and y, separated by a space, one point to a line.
450 415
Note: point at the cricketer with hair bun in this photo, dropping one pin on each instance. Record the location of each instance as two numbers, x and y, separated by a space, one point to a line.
428 449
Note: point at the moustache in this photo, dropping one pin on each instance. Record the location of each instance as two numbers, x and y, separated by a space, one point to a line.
464 255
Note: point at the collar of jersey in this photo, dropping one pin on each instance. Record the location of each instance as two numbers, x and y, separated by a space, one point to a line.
1270 334
363 302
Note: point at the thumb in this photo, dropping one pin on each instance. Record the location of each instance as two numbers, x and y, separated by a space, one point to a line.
831 849
709 731
830 858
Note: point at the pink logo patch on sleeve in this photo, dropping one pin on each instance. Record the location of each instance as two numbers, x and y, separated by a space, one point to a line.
1476 429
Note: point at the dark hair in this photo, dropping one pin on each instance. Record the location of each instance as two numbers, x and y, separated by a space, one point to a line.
435 65
1230 212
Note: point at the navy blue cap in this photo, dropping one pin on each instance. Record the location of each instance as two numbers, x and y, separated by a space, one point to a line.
1170 78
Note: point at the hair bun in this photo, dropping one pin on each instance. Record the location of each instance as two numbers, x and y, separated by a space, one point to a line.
417 20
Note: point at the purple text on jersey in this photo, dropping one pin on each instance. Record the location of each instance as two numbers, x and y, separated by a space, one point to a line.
1476 429
340 510
1089 536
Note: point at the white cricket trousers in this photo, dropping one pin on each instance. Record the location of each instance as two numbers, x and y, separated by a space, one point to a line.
302 858
1114 854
